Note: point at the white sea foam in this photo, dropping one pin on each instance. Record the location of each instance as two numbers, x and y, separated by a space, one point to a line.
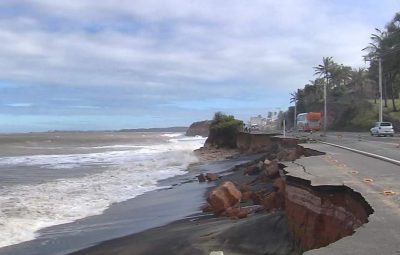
111 157
24 209
116 146
172 134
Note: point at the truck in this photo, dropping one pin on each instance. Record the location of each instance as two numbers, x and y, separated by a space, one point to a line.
309 121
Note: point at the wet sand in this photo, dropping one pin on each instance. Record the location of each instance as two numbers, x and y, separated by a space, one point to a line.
185 196
201 233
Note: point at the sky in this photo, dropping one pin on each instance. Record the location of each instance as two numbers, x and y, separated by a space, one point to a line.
113 64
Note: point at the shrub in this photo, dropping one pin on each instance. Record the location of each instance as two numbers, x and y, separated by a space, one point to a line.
223 130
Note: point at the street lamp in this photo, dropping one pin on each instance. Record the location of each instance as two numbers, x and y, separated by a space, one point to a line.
295 116
325 108
380 90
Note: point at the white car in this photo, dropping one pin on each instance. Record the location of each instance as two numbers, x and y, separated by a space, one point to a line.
382 128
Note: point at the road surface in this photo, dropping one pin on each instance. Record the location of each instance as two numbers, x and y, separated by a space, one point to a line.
377 180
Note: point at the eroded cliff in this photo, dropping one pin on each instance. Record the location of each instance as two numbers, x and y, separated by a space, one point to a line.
316 215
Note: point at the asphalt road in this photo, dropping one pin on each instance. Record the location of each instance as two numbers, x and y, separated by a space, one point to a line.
383 146
371 177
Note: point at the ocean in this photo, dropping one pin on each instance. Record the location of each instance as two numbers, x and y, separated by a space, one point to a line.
61 191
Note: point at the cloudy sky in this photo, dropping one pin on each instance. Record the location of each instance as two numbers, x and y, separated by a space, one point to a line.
111 64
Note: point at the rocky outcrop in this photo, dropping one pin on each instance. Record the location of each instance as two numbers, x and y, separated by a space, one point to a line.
201 128
223 131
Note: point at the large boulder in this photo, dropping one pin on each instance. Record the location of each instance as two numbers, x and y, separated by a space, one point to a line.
223 197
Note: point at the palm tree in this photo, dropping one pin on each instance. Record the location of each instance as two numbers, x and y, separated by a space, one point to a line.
294 98
376 52
325 70
358 80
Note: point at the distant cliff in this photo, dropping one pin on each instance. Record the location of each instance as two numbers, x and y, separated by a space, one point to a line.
201 128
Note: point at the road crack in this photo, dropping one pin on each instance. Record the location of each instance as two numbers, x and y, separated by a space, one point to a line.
303 167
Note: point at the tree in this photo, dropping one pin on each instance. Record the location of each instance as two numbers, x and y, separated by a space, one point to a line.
325 70
293 99
223 130
359 81
385 45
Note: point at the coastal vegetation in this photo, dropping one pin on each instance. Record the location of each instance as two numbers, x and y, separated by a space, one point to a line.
223 130
353 93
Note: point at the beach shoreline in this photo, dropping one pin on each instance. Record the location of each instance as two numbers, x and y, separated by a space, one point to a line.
197 233
276 213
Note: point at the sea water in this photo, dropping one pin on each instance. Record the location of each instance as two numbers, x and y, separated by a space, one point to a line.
54 178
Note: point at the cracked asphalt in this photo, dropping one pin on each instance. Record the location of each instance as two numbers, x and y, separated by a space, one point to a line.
378 181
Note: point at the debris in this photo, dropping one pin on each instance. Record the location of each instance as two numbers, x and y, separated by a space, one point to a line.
368 180
389 192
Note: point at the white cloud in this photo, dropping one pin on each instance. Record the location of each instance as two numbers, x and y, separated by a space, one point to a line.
19 105
152 45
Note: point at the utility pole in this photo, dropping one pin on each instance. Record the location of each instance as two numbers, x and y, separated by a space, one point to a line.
325 108
284 127
295 116
380 91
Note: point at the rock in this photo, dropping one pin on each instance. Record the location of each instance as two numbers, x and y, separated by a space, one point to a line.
272 156
272 170
246 196
201 178
291 155
224 197
256 197
207 208
270 202
249 169
212 177
279 185
244 188
237 213
200 128
281 155
275 200
267 162
254 169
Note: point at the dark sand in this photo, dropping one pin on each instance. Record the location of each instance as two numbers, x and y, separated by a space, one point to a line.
260 233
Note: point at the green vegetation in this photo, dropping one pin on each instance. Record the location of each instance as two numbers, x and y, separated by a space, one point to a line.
223 130
352 93
358 116
389 110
